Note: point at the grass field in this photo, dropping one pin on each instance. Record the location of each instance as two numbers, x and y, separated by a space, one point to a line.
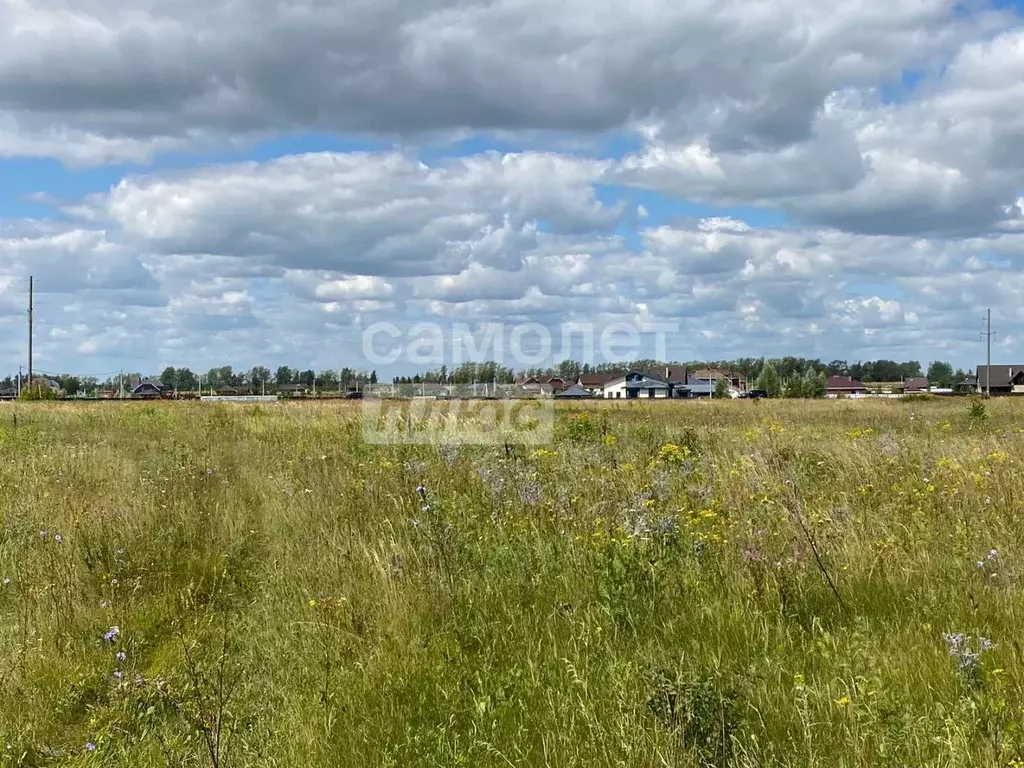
665 584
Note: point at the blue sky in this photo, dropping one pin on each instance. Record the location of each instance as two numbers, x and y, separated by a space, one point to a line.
823 183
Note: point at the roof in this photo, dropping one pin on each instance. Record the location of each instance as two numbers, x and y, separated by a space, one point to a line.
597 379
1000 376
694 386
150 383
843 383
293 387
575 391
915 383
668 373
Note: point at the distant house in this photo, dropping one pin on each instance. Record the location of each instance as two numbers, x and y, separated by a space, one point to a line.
552 386
149 389
1000 379
637 384
915 385
736 381
575 392
969 384
843 386
530 384
231 391
8 394
697 387
594 383
293 389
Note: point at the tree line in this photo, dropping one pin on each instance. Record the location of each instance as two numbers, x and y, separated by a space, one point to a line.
781 375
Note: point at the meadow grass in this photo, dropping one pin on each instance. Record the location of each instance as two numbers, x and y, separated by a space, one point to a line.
665 584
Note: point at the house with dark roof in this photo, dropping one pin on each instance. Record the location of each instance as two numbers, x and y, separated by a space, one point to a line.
574 392
293 389
594 383
638 384
844 386
1000 379
149 389
552 386
915 385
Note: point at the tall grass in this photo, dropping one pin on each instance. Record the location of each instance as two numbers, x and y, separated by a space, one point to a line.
666 584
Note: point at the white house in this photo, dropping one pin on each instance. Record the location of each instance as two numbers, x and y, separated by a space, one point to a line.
637 385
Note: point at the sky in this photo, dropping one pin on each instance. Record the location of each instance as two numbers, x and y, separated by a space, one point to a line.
198 184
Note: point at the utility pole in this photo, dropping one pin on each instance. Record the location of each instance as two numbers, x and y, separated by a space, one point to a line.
19 381
30 293
988 334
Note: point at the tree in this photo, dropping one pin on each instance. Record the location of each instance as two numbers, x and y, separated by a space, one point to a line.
284 375
721 388
940 374
794 387
258 376
169 378
768 381
187 381
815 385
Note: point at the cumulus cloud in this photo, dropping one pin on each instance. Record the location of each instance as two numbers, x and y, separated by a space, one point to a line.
902 200
130 78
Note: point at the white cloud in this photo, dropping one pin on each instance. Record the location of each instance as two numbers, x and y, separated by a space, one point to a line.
905 213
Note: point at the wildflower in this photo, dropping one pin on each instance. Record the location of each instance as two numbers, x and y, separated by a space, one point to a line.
6 581
90 747
112 634
421 490
698 550
104 604
120 550
43 534
968 660
58 538
843 701
981 564
312 603
113 582
530 492
121 656
117 674
992 554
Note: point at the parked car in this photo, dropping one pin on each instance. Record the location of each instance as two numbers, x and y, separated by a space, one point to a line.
755 394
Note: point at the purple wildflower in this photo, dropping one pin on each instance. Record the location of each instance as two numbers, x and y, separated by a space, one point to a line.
117 674
121 656
58 538
90 747
421 490
112 634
